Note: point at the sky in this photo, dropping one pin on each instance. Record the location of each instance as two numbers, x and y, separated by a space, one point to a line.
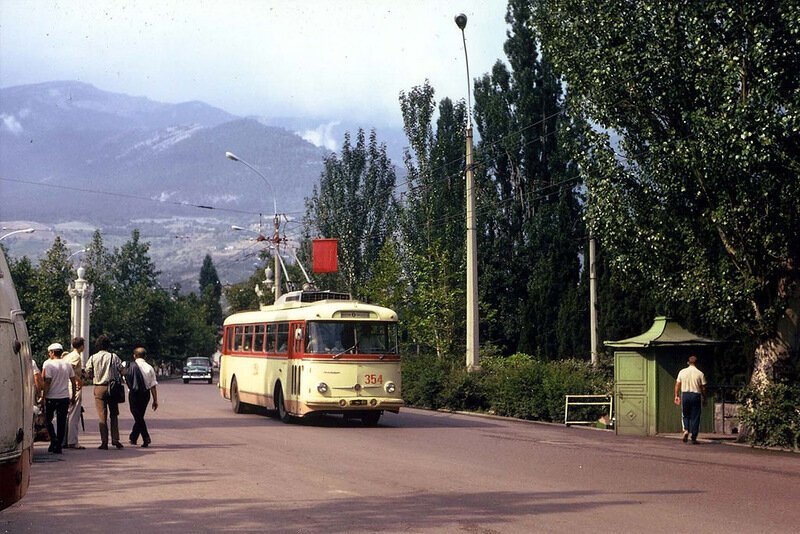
336 59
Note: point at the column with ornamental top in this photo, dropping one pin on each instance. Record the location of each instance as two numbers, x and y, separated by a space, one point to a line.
80 292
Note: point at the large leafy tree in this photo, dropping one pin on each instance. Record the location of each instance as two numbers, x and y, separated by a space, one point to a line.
691 147
355 204
130 306
48 297
531 213
186 332
433 220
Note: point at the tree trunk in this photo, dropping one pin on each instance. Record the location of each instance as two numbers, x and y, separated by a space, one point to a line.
769 352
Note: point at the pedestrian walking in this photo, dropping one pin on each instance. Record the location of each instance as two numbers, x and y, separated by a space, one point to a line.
142 384
102 367
57 375
690 394
75 359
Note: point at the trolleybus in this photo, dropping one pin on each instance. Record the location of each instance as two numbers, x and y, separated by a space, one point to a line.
313 352
16 394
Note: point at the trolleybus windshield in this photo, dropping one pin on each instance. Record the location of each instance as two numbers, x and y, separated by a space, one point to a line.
362 337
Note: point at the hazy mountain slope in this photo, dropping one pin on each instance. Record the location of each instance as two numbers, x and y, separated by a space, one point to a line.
78 139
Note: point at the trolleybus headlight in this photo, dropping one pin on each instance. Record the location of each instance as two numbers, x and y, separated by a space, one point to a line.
390 387
373 402
322 387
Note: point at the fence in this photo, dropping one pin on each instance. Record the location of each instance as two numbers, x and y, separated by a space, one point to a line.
588 400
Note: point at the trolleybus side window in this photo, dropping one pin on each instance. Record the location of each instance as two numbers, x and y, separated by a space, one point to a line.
247 344
229 338
283 337
237 337
259 339
270 341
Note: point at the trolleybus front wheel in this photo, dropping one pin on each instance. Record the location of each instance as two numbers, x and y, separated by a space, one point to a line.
236 404
280 406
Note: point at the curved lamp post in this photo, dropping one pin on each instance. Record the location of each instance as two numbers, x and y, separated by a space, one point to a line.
24 231
276 236
76 253
233 157
472 356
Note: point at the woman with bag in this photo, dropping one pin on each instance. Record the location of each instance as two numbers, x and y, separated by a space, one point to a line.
105 370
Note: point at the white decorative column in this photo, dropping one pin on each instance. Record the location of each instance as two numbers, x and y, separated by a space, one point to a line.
80 292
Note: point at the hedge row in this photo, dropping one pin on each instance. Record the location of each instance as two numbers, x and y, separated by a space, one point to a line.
515 386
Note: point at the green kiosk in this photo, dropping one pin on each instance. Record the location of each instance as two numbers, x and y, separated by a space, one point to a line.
645 369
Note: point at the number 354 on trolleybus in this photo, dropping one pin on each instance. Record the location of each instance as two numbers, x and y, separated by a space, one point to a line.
313 352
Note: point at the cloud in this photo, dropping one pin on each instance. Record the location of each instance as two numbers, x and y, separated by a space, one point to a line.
165 196
322 135
11 124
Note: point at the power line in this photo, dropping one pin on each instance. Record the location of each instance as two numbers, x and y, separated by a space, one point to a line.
130 196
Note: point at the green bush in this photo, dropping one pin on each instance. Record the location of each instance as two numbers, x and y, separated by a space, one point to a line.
462 390
515 386
530 388
423 376
772 417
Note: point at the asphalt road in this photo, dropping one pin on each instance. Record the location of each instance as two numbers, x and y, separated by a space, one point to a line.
209 470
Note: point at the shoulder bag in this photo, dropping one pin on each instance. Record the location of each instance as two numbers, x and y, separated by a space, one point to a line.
116 391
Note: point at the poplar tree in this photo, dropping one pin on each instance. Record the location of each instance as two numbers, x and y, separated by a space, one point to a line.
433 220
210 292
530 213
355 204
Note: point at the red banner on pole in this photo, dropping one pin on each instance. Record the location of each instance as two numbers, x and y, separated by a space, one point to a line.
324 255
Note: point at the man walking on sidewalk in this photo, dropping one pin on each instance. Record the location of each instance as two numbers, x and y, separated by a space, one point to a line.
141 384
57 376
690 393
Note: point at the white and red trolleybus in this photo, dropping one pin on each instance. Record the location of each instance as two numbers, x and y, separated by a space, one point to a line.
313 352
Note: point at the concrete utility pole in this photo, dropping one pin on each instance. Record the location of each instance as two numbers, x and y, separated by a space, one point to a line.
80 292
593 302
473 355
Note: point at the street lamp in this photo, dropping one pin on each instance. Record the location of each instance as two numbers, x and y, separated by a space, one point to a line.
233 157
276 236
473 358
76 253
25 231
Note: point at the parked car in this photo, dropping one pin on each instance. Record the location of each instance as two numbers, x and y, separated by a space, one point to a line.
197 368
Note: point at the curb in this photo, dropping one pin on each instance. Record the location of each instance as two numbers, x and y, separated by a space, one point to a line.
710 440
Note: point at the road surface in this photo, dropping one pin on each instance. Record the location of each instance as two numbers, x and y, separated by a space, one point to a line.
209 470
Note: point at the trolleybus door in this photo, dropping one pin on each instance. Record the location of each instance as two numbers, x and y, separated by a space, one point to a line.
297 331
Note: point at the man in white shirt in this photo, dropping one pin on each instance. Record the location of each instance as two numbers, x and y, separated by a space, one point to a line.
57 376
75 359
141 384
690 393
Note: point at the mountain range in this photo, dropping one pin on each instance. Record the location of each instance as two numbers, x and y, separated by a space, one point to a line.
74 158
